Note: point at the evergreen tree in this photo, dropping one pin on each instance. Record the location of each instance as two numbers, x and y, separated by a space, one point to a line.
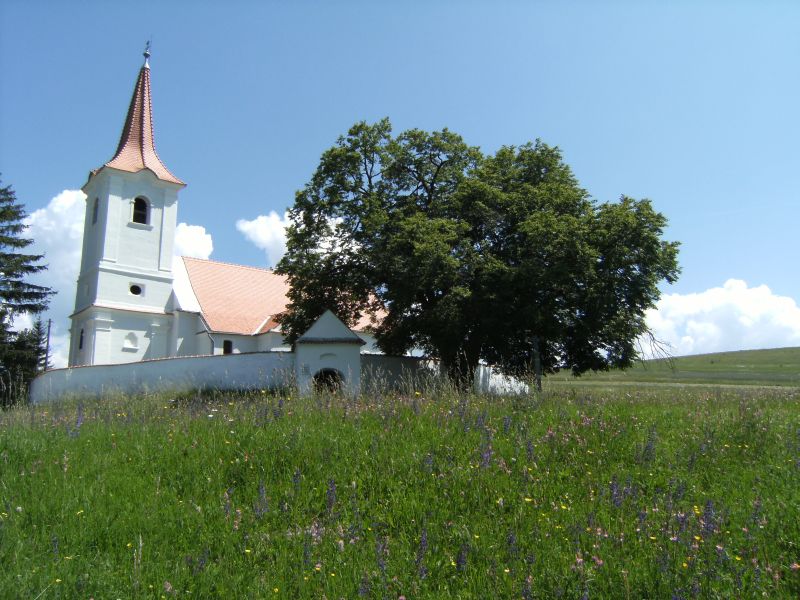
22 354
16 294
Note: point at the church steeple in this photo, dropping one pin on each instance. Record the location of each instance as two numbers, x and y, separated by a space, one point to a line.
136 149
124 292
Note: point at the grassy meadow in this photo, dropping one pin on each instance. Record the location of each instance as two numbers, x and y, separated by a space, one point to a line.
574 493
779 366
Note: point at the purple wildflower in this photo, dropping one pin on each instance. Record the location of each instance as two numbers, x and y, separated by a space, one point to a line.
331 495
381 552
709 525
363 587
262 506
421 550
613 488
461 559
486 455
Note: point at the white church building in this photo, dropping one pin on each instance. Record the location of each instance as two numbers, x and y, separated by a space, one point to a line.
133 302
146 321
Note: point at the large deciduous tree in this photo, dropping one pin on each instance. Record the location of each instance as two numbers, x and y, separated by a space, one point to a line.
472 257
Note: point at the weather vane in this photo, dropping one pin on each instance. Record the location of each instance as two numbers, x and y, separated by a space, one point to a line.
147 53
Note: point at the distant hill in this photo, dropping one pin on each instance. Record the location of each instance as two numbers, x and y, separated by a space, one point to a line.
780 366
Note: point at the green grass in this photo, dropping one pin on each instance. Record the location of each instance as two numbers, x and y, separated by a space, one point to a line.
779 366
612 494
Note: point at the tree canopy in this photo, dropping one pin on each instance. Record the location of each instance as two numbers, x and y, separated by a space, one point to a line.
471 257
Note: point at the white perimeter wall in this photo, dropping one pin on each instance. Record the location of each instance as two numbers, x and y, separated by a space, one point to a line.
262 370
258 370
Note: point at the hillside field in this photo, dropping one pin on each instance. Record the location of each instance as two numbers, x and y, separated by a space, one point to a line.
779 366
579 492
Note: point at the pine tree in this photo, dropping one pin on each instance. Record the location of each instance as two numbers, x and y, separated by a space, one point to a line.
22 354
40 341
16 294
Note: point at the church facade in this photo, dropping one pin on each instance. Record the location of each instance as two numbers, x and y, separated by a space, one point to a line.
134 300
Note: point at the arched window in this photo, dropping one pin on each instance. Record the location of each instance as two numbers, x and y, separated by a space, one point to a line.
95 209
141 211
80 341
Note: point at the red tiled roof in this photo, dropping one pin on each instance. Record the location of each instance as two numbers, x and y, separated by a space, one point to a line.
234 298
243 300
136 149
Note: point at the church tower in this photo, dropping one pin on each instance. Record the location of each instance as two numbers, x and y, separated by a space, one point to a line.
122 304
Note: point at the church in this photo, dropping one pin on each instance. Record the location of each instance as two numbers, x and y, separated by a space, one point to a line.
147 321
134 301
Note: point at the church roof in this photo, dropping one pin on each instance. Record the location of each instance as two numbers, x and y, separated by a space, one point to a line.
136 150
235 298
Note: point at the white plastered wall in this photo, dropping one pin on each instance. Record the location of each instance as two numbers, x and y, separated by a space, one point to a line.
125 285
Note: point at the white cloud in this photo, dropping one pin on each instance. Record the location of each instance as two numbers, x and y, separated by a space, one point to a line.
192 240
57 232
731 317
268 233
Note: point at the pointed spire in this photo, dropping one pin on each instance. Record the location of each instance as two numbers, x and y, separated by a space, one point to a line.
136 149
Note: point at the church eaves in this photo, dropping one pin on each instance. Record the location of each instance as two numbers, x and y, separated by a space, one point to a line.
137 149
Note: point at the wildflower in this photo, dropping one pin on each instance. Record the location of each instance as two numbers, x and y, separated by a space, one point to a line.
598 561
461 559
331 495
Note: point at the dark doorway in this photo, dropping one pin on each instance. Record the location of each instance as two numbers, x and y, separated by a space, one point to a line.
328 380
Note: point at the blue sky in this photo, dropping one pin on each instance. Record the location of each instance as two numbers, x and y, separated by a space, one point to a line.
691 104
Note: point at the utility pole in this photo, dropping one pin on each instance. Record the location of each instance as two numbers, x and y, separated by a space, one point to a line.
47 346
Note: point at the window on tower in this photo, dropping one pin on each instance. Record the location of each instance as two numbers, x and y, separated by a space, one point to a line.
95 209
141 211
